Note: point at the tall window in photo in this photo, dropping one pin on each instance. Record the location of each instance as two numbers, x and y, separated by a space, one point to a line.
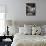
30 9
2 19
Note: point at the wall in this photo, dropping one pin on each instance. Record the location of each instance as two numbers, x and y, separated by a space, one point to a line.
17 10
21 11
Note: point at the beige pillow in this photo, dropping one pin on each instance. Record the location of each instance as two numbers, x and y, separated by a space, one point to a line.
28 28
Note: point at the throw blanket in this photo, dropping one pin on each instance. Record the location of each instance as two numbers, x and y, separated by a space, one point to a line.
29 40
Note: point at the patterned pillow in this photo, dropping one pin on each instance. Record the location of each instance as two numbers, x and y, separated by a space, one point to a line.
36 30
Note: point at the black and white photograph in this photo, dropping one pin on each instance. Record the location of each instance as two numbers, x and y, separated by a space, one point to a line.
30 9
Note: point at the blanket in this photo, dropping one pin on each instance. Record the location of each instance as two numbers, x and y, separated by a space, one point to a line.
29 40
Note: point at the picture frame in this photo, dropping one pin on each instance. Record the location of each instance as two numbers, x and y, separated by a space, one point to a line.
30 9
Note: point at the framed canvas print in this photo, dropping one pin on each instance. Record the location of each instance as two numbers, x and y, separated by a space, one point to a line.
30 9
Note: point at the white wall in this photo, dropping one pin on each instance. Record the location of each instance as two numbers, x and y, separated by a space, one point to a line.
20 12
17 10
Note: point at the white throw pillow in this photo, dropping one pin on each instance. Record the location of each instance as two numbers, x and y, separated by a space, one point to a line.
23 30
42 30
36 30
44 26
13 30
